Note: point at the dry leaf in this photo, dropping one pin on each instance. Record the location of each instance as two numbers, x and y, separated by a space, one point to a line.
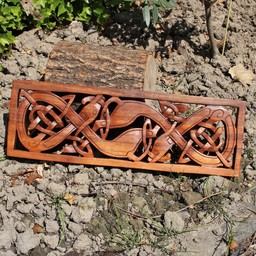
40 169
233 245
37 229
20 174
70 198
36 175
241 74
29 175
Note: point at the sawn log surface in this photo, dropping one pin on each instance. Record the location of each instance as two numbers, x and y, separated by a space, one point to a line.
117 67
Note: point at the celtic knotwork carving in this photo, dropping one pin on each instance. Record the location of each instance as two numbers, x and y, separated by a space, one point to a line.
53 121
115 128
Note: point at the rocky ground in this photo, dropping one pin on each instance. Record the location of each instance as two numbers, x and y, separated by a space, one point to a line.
132 212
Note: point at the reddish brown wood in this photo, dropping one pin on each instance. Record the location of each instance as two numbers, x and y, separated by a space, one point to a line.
111 127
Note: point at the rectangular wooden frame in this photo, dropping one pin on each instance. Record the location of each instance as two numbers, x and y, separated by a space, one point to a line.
12 151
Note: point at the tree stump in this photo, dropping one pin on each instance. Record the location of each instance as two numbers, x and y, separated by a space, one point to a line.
78 63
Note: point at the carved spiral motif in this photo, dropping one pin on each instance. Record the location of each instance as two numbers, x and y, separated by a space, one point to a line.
102 126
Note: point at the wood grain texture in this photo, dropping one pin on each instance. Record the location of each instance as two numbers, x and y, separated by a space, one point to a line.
118 67
111 127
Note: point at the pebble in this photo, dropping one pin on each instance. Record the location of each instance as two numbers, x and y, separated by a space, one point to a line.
83 242
25 208
191 197
75 228
56 189
26 241
173 221
7 237
51 226
81 178
51 240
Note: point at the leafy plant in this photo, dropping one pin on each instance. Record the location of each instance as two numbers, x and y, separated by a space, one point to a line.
12 18
58 201
152 8
15 16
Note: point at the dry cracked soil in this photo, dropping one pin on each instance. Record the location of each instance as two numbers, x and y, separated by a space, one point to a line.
133 212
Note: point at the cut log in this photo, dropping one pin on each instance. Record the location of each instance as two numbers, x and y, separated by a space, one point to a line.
78 63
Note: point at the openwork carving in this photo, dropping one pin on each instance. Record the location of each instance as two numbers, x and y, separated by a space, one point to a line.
105 127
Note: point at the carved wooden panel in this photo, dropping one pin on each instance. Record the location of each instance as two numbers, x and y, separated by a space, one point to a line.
111 127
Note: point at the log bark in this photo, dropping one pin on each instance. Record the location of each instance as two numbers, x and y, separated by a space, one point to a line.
78 63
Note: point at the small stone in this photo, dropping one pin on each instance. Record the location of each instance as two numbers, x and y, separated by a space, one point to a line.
152 45
31 73
92 36
52 226
52 38
220 61
6 239
54 253
33 199
38 212
139 202
67 209
84 212
215 184
52 241
20 193
42 186
72 253
191 197
20 226
44 48
10 169
25 208
234 196
249 173
173 221
75 168
83 242
81 178
133 252
56 189
39 251
75 228
27 241
13 68
116 173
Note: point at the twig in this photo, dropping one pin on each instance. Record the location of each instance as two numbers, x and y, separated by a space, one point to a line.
227 25
131 213
121 183
248 208
143 218
207 6
201 200
129 184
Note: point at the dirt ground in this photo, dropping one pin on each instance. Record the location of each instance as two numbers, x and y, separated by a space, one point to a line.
134 212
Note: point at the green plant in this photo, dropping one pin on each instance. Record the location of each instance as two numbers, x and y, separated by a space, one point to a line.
2 158
126 236
15 17
58 201
151 9
12 18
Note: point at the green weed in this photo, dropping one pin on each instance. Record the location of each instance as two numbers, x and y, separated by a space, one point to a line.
58 201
